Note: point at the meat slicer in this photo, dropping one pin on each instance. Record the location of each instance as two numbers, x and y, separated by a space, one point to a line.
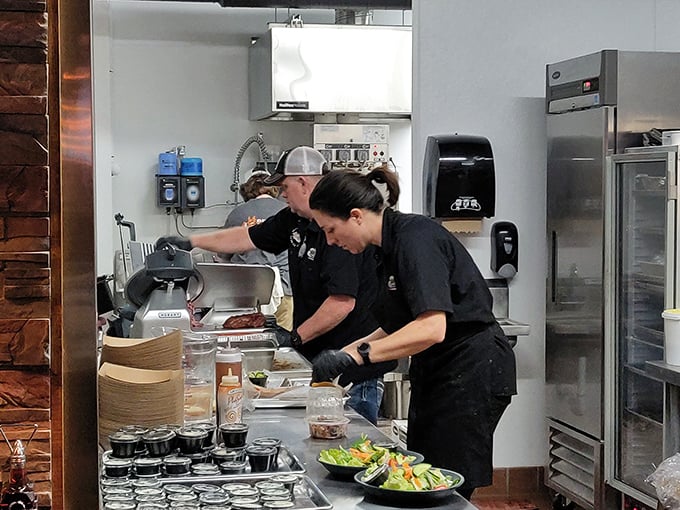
159 290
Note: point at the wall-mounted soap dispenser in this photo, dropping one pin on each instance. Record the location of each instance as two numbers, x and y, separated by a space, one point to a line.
504 249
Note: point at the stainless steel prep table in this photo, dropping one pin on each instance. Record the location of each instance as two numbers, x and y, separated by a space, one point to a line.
289 425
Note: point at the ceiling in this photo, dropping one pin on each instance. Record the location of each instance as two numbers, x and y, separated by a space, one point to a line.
317 4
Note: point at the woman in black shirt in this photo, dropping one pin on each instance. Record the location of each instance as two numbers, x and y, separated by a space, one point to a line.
433 305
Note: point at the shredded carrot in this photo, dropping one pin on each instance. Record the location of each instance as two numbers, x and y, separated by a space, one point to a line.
408 472
393 464
359 454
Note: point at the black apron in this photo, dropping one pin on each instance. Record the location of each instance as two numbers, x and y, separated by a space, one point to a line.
457 398
461 386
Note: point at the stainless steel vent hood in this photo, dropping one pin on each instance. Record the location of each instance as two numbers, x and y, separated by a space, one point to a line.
296 72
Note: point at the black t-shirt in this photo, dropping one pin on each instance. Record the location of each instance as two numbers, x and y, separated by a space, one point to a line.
318 270
425 268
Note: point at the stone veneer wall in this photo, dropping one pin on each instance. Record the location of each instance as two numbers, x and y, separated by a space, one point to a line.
24 235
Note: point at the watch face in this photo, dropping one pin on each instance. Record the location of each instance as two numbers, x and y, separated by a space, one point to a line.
363 350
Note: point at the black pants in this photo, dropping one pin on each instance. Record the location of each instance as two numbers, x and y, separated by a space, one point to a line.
498 406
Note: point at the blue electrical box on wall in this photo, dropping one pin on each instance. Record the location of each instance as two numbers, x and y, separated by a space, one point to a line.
167 163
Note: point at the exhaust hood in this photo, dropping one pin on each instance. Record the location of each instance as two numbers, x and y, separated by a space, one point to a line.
296 72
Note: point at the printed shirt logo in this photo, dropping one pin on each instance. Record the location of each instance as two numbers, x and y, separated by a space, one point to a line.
466 204
391 283
295 238
252 220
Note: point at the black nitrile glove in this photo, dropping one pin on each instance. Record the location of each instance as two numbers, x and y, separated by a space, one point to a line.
330 364
181 243
287 338
283 336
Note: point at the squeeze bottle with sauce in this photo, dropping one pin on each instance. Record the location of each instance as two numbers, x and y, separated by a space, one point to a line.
226 359
229 399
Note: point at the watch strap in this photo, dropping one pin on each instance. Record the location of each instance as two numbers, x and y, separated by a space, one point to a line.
295 339
364 351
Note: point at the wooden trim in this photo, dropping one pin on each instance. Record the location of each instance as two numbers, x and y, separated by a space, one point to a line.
56 415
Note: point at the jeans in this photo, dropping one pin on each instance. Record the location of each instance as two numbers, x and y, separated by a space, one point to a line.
365 398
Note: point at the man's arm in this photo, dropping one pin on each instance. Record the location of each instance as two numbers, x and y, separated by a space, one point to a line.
229 240
331 313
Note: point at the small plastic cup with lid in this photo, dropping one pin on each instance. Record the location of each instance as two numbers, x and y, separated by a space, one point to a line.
261 458
197 458
151 505
205 469
119 505
191 439
234 434
269 441
123 444
117 468
287 480
159 442
176 466
206 487
213 498
210 428
147 466
232 467
188 497
138 430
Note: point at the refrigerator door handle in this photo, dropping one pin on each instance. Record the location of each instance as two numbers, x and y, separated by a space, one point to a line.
553 266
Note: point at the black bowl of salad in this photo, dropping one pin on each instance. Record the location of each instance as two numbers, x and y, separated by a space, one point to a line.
417 485
345 462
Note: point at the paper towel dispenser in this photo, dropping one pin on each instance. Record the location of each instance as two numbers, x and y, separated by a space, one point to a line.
295 72
458 177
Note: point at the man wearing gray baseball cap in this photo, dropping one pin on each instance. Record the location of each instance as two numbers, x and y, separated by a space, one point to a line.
333 289
298 161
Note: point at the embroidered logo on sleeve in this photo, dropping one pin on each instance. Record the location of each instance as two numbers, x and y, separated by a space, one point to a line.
252 220
391 283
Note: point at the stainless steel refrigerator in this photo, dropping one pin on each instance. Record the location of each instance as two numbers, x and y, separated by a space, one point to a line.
597 106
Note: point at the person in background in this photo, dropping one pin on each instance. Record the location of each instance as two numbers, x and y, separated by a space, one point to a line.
432 305
333 289
261 203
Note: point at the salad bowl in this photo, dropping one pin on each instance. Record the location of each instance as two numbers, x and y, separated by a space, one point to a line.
411 497
347 462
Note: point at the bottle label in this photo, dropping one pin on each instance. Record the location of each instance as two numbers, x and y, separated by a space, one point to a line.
231 405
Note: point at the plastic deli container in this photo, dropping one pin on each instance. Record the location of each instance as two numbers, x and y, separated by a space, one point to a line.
671 319
327 427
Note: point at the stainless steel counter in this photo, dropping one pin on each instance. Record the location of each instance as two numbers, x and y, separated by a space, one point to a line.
670 375
289 426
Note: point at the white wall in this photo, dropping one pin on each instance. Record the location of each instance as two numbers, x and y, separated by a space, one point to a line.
479 69
179 76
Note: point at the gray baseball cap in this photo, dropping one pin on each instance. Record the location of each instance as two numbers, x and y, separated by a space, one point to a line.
300 160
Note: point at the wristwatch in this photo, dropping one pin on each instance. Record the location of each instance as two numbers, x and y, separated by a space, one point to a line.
295 339
364 350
